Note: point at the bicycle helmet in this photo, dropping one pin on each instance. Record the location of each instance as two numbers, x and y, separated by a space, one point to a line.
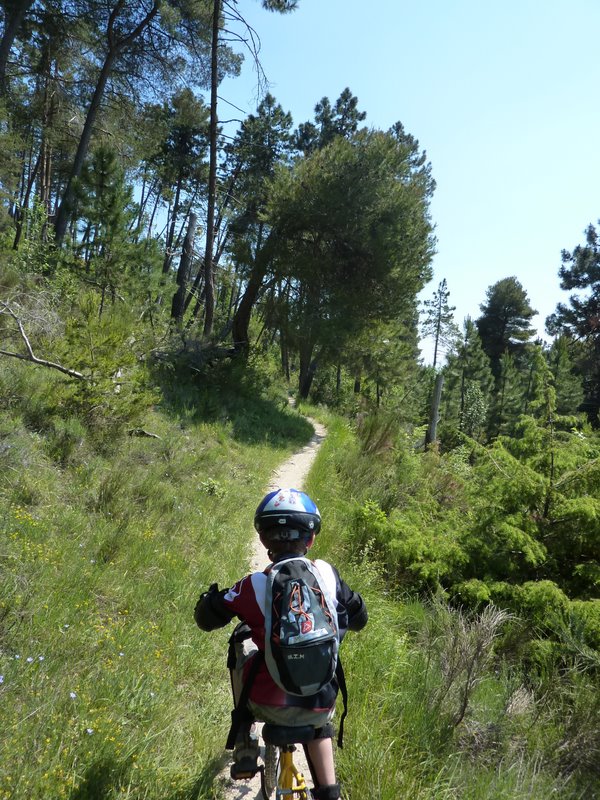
287 514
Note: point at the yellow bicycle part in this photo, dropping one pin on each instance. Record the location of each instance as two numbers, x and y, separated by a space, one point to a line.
291 783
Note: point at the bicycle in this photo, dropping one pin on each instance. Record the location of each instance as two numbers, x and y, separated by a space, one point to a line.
279 774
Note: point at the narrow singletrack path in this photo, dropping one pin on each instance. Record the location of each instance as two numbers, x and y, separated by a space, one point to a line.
291 473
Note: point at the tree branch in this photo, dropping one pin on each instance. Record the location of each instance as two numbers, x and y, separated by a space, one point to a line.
42 362
30 354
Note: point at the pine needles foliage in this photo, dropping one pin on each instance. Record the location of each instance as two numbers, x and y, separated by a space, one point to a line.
490 693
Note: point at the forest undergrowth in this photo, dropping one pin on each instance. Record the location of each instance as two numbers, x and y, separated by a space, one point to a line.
108 689
446 700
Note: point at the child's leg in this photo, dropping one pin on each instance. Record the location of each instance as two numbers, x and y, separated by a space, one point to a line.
246 749
320 752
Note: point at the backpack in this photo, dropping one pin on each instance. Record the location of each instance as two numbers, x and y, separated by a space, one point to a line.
301 639
301 629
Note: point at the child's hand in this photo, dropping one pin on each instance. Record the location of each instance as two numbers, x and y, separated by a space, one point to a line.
212 589
210 613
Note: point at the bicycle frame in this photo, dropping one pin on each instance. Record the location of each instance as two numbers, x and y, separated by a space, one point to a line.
291 783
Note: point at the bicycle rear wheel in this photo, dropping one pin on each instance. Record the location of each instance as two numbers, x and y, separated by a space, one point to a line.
271 770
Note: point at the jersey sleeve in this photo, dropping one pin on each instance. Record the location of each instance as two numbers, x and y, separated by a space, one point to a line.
236 598
353 604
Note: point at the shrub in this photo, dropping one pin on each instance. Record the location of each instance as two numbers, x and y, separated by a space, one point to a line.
64 439
541 602
586 616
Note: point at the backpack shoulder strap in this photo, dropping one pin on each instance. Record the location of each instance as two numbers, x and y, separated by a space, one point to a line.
341 679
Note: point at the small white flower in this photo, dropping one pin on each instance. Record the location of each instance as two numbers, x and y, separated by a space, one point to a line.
17 657
29 659
92 560
89 731
152 694
1 679
121 654
72 695
41 658
66 626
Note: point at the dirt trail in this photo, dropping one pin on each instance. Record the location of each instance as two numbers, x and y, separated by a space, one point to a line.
291 473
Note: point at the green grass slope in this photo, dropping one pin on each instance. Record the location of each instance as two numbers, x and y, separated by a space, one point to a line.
107 688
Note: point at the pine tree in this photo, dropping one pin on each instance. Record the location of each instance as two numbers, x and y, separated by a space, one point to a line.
569 390
468 383
352 231
540 395
508 398
114 262
504 325
580 319
341 119
439 321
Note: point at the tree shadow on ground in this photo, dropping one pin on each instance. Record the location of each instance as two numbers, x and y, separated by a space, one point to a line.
105 778
236 396
99 779
203 788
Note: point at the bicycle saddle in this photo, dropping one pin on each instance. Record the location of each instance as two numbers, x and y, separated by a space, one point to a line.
280 735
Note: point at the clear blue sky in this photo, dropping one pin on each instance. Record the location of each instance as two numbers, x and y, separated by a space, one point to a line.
502 96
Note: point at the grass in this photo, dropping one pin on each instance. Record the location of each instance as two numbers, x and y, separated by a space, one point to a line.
108 689
400 738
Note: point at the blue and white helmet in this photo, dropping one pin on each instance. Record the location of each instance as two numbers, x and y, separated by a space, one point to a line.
290 510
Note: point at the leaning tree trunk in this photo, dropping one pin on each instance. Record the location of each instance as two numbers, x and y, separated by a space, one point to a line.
241 318
308 367
11 27
183 273
168 259
64 212
209 283
115 48
243 313
20 218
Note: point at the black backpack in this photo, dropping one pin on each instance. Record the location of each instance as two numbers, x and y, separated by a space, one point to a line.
301 639
301 629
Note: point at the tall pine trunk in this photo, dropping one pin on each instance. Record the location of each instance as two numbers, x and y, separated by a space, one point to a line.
12 23
66 206
115 49
209 285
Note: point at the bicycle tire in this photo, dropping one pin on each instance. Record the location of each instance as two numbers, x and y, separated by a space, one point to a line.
271 770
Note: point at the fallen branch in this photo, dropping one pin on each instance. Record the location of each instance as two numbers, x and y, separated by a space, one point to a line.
72 373
142 432
30 354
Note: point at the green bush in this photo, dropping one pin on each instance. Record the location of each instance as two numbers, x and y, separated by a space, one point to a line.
541 602
65 438
585 615
518 737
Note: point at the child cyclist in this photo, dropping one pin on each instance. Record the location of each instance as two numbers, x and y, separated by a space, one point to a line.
287 522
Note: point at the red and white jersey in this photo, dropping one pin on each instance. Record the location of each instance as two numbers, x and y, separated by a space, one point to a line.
247 600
